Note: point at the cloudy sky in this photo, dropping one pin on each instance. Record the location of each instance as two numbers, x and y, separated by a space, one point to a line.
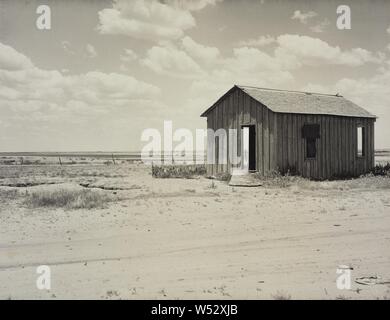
107 70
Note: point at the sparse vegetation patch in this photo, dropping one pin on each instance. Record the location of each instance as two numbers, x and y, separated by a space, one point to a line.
69 199
382 170
178 171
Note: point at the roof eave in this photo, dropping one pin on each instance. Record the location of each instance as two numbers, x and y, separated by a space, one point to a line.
328 114
205 113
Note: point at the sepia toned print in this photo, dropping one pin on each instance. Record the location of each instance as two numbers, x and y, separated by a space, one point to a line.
210 149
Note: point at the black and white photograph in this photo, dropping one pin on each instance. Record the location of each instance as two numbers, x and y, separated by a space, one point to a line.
214 150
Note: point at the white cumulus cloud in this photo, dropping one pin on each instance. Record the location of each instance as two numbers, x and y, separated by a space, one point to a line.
304 50
193 5
12 60
128 56
201 52
259 42
303 17
25 87
170 60
145 19
275 68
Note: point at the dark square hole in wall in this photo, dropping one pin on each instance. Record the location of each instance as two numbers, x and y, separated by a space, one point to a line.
311 131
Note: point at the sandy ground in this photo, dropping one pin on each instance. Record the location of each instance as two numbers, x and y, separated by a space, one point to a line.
192 239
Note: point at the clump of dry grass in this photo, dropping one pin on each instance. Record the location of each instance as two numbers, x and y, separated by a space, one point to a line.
369 181
278 180
178 171
381 170
69 199
6 195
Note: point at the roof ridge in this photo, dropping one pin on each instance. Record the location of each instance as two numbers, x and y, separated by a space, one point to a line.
292 91
299 103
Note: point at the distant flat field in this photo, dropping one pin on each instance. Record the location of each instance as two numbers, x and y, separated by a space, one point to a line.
115 232
382 156
20 158
24 158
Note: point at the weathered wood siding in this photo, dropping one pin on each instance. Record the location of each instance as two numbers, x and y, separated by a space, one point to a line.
336 148
238 109
279 142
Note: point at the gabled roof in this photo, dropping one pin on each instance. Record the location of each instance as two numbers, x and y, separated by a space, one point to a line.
282 101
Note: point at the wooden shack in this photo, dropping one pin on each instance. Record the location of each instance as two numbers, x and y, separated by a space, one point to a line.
314 135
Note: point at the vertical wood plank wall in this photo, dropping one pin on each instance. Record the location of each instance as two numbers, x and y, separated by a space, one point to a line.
279 142
336 148
236 110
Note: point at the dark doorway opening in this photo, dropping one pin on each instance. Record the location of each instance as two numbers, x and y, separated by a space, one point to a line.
251 147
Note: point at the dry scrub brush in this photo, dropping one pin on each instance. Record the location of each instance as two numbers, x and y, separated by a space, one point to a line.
178 171
69 199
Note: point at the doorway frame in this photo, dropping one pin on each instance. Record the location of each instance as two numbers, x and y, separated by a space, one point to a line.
251 127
